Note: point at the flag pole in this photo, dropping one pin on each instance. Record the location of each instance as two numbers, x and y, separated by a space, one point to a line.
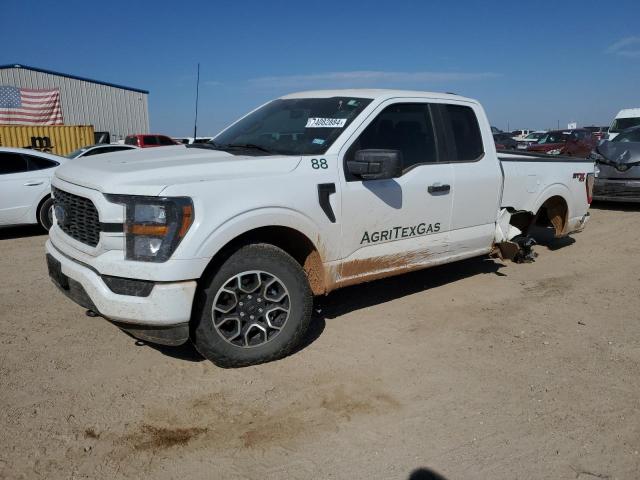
195 123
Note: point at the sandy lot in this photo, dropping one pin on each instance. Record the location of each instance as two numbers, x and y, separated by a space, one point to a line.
476 370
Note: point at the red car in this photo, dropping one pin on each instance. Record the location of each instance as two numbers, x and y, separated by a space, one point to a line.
573 143
149 140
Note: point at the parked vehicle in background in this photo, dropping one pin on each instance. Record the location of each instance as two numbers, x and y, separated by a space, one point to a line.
504 141
495 129
149 140
191 140
627 118
598 132
618 162
572 143
520 134
90 150
25 186
362 184
530 139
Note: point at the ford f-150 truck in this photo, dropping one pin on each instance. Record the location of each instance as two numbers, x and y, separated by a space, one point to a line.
226 243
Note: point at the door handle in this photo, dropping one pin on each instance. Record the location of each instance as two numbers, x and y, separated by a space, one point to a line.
33 184
435 188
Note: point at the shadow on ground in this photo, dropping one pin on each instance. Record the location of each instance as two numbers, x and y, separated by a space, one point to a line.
425 474
366 295
8 233
545 236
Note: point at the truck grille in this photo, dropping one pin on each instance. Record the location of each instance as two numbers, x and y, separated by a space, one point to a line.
79 217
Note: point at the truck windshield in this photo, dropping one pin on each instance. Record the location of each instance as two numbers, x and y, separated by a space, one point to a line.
632 135
301 126
620 124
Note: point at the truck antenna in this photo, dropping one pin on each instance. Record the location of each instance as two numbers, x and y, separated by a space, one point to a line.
195 123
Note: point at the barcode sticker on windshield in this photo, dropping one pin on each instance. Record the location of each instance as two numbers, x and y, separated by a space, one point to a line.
326 122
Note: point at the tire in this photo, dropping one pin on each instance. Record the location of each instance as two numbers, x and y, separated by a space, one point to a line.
45 214
264 283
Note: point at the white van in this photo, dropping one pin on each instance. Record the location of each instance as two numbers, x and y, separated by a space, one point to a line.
629 117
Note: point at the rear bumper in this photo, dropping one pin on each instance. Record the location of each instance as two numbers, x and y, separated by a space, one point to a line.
161 312
616 190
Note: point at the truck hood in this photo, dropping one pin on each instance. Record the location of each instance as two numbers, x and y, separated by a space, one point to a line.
149 171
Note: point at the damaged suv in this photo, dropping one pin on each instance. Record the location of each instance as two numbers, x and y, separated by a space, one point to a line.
618 162
226 243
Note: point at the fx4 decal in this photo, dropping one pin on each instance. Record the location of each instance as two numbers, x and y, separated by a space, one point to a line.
400 232
580 176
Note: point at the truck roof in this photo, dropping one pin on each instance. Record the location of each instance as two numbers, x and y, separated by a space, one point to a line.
375 93
628 113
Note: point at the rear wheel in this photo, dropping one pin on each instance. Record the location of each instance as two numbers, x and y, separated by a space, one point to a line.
45 214
254 309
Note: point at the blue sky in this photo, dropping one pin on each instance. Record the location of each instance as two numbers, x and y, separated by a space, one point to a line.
531 64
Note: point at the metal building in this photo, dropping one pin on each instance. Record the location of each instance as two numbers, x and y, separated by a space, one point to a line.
111 108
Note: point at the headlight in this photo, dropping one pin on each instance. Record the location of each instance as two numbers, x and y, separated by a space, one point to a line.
596 170
555 151
154 226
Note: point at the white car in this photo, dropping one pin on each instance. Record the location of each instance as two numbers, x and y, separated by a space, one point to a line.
227 242
25 186
530 139
90 150
518 135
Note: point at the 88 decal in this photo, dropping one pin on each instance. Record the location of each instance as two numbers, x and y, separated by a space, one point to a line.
319 164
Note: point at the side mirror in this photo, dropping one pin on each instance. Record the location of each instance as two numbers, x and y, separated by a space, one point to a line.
376 164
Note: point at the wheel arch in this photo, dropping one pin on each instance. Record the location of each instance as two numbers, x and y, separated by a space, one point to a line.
34 214
286 235
550 208
554 212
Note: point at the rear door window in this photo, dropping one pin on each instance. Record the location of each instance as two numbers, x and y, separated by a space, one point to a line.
39 163
12 163
151 140
465 139
131 141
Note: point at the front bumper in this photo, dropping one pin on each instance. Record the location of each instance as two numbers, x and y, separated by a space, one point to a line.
162 314
618 190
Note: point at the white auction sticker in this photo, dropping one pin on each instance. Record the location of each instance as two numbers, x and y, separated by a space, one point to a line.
326 122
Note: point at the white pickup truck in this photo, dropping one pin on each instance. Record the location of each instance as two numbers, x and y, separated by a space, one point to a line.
226 243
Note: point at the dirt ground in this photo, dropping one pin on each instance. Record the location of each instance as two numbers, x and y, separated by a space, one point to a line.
476 370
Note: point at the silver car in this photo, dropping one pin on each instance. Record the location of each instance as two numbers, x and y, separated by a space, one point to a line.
618 160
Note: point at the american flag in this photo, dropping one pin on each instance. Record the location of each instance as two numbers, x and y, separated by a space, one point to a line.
30 106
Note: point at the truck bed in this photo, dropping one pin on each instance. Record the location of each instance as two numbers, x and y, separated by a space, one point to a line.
528 182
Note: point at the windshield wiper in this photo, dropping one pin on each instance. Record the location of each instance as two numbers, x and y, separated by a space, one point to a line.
248 146
209 145
231 146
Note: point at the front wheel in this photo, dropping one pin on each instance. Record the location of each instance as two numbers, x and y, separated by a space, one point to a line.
254 309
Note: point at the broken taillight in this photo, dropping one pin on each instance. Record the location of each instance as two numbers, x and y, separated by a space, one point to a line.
591 178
